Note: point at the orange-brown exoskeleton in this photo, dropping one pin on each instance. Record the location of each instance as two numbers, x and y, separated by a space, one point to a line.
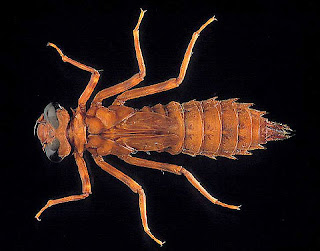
211 128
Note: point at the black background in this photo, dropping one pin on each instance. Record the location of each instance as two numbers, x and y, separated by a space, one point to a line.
258 51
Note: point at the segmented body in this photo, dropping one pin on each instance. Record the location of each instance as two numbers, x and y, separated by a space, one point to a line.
211 128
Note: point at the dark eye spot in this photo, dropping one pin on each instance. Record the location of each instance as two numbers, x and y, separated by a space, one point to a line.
50 114
52 151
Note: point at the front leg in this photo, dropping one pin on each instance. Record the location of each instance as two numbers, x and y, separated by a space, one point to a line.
92 82
86 187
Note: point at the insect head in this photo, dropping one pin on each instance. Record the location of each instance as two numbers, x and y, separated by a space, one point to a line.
52 131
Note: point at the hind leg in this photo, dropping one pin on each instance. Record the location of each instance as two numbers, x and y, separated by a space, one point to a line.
176 170
166 85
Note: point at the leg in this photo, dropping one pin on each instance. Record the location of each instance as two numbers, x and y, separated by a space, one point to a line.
93 80
86 187
135 79
166 85
176 170
135 187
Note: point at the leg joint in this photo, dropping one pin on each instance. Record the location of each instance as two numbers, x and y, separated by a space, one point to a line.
178 81
95 74
196 34
183 171
141 75
177 170
86 194
139 190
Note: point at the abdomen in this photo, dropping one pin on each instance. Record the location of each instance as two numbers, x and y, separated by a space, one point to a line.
219 128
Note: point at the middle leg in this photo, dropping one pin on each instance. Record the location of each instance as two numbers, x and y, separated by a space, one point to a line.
135 79
166 85
135 187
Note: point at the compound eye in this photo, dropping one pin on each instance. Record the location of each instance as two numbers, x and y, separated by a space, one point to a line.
50 114
51 151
